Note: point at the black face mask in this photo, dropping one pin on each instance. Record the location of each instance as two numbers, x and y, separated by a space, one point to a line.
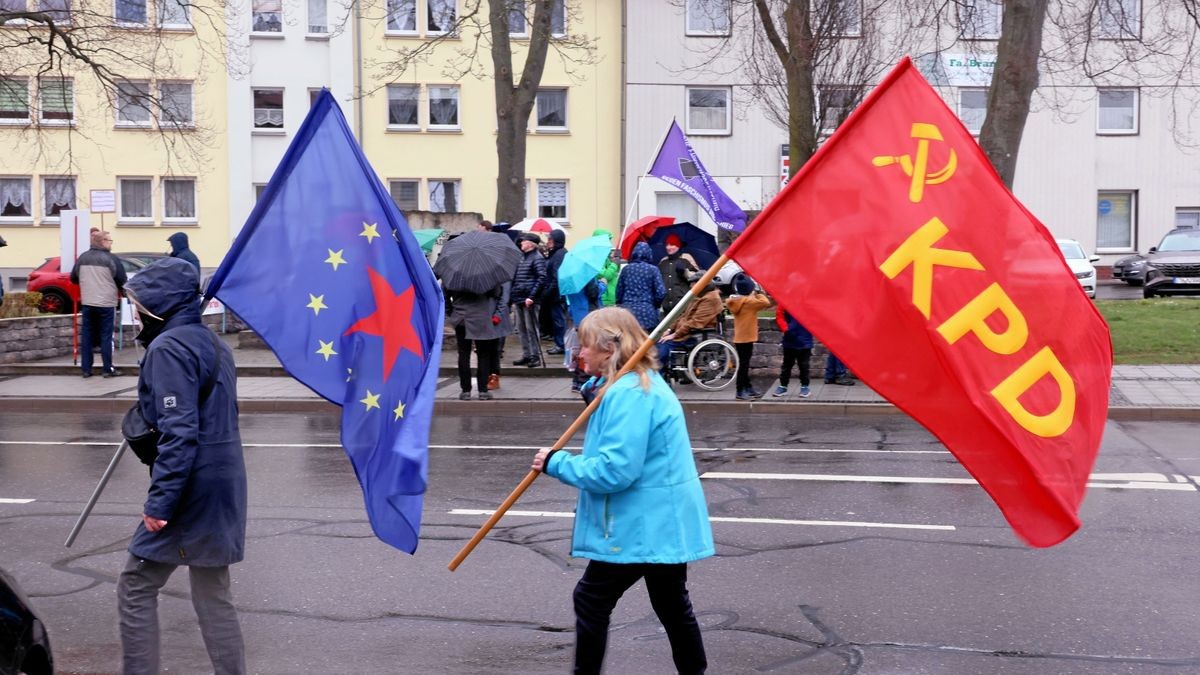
151 327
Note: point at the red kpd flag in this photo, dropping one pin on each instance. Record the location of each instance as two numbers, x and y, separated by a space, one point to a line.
899 246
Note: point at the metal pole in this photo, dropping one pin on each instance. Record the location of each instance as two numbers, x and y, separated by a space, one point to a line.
87 510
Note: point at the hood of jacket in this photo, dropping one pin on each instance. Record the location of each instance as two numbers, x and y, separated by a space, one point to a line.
165 288
642 253
179 242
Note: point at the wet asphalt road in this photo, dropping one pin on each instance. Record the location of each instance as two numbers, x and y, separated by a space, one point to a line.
873 594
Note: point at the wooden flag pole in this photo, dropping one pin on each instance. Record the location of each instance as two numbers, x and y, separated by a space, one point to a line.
646 346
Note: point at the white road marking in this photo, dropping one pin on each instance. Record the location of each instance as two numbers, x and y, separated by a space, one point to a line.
725 519
15 501
1159 482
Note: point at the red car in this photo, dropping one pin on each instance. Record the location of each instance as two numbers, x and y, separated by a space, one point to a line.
59 295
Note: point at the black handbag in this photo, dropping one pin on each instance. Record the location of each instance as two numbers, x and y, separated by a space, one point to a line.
142 437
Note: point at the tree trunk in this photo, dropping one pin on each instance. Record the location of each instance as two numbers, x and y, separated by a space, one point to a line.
1013 83
514 103
802 132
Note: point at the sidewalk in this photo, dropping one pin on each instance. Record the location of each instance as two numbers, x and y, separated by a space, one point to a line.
1138 392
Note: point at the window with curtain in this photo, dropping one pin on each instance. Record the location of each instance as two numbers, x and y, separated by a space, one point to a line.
318 21
131 12
58 195
1117 111
179 199
980 19
133 197
835 104
552 109
517 23
15 195
1115 220
133 103
266 16
708 110
402 16
442 15
552 199
972 108
443 106
56 100
176 101
14 99
403 100
707 17
174 14
444 196
558 18
268 108
405 194
59 11
1119 19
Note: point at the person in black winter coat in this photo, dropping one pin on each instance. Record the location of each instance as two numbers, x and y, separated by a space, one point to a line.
195 511
528 286
552 300
179 249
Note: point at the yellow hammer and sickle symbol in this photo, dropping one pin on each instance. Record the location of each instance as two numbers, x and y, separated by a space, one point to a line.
918 169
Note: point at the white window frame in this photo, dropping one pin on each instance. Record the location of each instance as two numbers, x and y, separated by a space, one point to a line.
266 33
323 29
968 26
416 15
21 22
1137 99
180 220
973 90
416 182
430 124
1133 220
282 128
29 205
122 219
46 218
403 127
828 126
136 124
21 121
691 31
429 30
524 33
131 24
687 117
559 6
566 111
159 15
1104 33
189 123
843 31
42 120
459 194
1193 211
537 208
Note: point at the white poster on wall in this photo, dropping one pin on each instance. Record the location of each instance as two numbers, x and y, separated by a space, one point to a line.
213 306
74 234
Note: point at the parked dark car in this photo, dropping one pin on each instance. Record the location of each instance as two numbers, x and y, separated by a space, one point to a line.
1132 269
1173 267
59 295
24 644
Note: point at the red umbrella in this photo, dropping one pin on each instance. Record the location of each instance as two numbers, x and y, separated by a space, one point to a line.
537 225
641 230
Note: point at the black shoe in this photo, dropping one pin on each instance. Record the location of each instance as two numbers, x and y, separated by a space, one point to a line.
112 373
533 364
754 394
521 362
86 375
844 381
554 351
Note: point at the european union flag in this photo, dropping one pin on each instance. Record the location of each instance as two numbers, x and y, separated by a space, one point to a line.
328 273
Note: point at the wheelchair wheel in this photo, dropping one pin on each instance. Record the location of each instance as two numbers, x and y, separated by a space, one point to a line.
712 364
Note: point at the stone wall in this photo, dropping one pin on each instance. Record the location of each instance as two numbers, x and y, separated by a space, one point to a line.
452 223
35 338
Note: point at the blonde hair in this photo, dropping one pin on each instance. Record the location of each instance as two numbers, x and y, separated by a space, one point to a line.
615 329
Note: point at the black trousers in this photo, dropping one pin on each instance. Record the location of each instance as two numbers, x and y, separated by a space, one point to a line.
795 357
603 584
488 359
744 351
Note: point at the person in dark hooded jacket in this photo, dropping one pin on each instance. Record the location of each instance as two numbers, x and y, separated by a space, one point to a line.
553 305
195 510
179 249
640 288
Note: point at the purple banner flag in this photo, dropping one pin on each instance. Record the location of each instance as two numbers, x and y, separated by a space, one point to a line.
678 165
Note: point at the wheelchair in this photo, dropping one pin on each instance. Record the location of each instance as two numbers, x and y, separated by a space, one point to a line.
709 363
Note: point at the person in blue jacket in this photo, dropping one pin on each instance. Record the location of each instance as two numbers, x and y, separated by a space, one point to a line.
195 511
640 287
641 511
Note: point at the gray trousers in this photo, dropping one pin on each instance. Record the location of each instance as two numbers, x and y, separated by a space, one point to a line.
137 598
527 328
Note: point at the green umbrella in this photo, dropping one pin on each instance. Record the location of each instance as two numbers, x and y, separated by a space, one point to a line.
426 238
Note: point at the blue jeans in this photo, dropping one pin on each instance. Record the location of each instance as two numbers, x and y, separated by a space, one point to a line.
834 370
96 326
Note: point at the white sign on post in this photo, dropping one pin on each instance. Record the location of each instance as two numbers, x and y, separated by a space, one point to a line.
213 306
74 234
103 201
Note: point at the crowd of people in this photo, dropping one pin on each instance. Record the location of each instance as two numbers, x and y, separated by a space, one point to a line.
533 307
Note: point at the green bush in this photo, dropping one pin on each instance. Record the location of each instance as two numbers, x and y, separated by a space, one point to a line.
20 304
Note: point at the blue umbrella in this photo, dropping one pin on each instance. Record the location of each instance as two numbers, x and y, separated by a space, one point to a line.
701 245
582 263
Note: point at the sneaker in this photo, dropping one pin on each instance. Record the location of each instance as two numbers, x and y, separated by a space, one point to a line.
804 392
112 373
753 393
554 351
485 396
465 396
742 395
782 391
533 363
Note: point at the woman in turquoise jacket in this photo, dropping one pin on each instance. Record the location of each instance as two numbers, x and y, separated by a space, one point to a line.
641 510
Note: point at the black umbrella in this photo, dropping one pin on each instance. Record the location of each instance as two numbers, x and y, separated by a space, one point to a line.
477 262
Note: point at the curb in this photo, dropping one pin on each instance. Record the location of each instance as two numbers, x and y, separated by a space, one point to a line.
22 370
